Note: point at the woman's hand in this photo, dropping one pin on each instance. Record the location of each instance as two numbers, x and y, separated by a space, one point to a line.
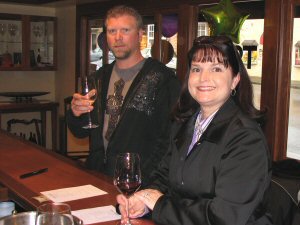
136 207
149 197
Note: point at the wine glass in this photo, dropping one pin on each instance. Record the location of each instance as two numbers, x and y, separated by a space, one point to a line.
127 176
52 213
89 88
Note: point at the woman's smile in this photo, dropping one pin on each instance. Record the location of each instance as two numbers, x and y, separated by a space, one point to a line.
206 88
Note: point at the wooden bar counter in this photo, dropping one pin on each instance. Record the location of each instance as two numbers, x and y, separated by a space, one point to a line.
19 156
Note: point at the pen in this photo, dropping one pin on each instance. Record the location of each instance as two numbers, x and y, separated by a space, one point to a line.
25 175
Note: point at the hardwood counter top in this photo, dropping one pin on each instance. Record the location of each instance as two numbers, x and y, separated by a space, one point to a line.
18 156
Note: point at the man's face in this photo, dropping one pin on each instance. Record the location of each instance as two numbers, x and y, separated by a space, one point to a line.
123 36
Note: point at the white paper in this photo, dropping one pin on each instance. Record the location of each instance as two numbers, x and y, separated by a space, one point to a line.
97 215
73 193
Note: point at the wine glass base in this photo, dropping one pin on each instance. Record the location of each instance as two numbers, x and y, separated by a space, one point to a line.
132 222
90 126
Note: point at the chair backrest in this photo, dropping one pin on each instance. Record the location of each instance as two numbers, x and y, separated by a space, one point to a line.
36 123
67 105
70 153
281 204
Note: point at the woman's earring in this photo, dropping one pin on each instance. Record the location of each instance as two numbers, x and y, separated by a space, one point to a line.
233 92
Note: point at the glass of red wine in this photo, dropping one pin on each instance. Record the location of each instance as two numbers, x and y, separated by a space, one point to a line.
127 176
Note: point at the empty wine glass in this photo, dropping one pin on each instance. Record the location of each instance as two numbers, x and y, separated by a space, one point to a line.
2 31
2 28
54 214
127 176
89 89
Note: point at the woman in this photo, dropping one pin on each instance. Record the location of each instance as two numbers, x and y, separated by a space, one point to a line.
217 168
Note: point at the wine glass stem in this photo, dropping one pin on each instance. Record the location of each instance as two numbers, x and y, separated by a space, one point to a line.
127 212
89 118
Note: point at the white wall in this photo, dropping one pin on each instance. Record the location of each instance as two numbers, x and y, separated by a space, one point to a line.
65 75
27 10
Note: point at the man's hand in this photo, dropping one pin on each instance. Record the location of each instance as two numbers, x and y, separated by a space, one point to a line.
80 104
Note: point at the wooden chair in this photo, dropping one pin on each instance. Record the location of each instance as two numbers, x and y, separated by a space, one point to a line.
36 123
281 204
281 199
64 135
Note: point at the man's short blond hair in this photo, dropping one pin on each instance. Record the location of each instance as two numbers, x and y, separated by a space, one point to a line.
121 10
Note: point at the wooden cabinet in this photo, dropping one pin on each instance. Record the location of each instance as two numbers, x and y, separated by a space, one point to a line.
27 42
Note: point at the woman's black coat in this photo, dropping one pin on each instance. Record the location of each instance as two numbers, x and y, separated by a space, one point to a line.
224 178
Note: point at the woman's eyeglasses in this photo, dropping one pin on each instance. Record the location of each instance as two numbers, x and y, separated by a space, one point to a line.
218 40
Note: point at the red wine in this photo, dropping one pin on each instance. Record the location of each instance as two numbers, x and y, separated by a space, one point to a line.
128 188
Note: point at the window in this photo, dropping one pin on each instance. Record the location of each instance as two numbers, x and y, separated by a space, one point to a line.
253 29
293 143
151 31
150 35
95 45
202 29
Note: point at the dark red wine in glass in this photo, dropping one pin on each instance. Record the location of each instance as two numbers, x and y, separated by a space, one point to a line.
128 188
127 176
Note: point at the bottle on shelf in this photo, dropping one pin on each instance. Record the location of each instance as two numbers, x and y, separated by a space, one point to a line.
38 58
7 60
34 138
23 135
30 137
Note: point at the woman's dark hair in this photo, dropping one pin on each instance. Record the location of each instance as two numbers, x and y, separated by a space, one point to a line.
220 49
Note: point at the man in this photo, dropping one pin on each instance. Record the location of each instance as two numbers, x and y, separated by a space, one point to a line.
136 96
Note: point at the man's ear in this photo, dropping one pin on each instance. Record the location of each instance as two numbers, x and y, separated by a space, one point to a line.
141 32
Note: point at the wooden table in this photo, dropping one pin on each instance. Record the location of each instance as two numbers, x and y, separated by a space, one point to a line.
18 156
36 106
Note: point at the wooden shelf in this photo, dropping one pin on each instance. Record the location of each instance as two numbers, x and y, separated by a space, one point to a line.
46 68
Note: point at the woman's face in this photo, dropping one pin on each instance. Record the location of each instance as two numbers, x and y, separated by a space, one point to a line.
210 84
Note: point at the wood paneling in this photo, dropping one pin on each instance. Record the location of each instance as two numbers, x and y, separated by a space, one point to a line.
276 73
31 2
187 32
